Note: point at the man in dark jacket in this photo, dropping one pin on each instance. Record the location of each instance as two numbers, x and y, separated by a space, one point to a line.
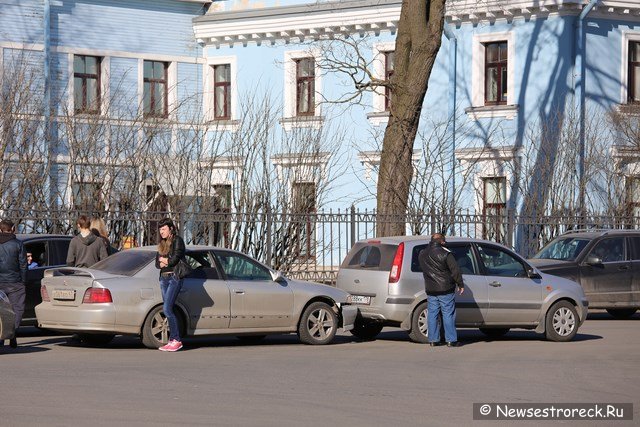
86 248
13 272
441 275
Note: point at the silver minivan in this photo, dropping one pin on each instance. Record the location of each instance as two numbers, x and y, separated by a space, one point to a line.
502 290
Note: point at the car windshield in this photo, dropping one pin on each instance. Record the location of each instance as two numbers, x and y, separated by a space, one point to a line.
563 248
125 263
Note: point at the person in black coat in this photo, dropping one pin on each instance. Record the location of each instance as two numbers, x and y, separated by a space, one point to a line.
441 276
171 250
13 272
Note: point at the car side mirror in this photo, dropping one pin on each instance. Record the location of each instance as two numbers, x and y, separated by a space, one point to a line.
277 276
594 260
532 274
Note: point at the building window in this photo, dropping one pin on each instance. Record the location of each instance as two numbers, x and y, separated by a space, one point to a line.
633 196
634 71
389 63
495 73
86 84
305 86
222 92
494 206
155 89
304 209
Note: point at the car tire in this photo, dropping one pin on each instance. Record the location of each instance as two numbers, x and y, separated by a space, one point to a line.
622 313
419 332
366 330
251 338
155 330
95 340
561 323
494 332
318 324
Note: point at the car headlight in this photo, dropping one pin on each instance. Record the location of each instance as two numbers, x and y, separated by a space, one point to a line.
4 297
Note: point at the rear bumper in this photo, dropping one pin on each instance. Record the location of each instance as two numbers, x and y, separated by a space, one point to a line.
87 317
349 314
391 313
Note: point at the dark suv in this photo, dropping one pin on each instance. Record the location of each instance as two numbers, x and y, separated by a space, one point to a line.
49 251
605 262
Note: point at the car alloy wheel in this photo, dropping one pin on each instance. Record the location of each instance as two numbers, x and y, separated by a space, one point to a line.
160 327
318 324
155 330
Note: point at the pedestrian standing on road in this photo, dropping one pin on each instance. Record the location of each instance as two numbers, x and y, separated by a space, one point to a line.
13 272
85 249
171 250
441 276
99 228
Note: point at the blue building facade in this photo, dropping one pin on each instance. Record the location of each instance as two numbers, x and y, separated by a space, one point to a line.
267 103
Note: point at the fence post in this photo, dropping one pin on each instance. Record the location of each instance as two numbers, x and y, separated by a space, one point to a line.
268 226
353 227
511 221
432 219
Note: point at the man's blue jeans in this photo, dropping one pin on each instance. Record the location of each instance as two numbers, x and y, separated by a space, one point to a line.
447 305
170 288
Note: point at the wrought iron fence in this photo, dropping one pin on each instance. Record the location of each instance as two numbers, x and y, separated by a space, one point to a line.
311 246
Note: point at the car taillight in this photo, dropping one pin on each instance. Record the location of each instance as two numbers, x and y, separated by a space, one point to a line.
396 267
44 294
96 295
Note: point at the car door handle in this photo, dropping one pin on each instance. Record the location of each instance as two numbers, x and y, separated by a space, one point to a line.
239 291
495 284
623 267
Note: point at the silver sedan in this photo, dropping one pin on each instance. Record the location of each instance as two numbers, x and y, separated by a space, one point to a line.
227 293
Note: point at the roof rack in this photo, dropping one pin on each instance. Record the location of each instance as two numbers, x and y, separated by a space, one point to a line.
600 230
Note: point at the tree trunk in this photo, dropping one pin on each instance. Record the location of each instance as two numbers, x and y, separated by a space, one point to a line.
417 44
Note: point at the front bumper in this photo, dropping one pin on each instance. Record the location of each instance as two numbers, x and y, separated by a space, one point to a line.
348 314
583 310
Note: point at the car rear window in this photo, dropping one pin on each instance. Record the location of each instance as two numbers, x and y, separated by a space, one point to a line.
462 253
370 256
125 263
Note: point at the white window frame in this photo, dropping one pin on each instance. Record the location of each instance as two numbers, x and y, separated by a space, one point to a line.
209 78
172 86
627 36
478 75
105 67
290 58
378 95
490 163
370 160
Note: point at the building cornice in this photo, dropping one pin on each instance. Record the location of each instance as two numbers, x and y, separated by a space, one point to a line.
488 11
298 23
316 21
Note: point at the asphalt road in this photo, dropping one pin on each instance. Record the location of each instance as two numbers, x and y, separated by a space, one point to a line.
280 382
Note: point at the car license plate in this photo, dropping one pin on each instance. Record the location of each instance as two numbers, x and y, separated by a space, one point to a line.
360 299
64 294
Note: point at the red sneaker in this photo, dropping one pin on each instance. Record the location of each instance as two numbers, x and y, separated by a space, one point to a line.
173 345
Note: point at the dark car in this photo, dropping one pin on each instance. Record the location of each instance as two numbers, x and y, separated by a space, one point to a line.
605 262
48 250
